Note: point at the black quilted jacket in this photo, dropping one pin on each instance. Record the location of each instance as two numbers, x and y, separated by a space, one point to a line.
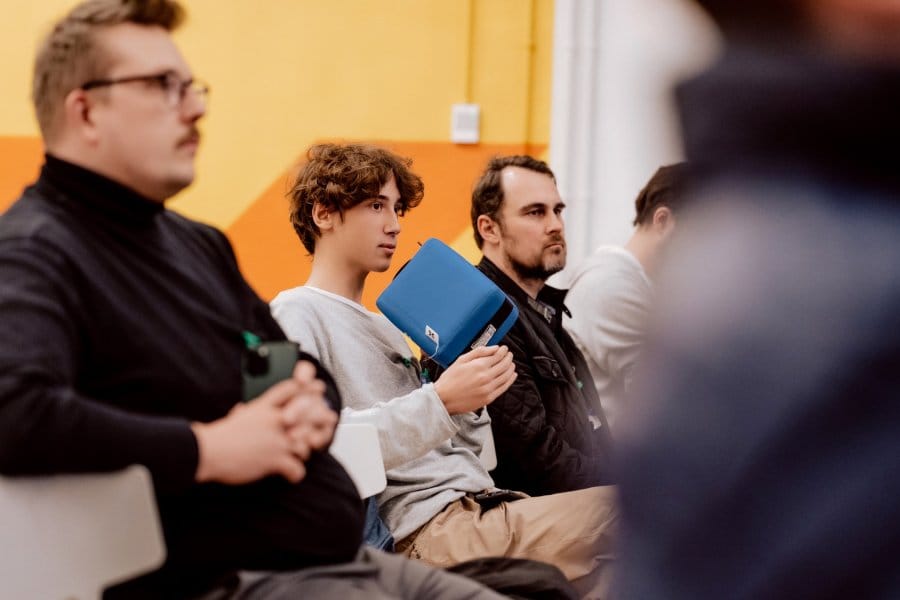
549 430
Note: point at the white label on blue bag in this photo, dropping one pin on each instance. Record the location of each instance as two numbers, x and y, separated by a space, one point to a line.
485 336
432 335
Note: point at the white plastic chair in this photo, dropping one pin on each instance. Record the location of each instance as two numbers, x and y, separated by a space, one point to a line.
71 536
356 447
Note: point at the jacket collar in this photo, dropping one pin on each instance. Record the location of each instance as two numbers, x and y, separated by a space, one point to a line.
549 303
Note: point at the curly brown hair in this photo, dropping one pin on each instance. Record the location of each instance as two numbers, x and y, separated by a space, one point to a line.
69 56
340 176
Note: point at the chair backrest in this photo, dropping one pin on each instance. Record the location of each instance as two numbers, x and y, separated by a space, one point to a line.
71 536
356 447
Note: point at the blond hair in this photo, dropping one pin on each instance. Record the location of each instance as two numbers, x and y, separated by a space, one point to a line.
69 57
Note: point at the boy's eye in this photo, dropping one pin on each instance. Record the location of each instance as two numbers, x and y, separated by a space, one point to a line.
377 205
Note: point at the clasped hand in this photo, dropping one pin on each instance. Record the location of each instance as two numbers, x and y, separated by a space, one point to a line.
273 434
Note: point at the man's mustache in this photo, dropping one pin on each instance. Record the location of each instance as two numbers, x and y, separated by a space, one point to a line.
556 238
191 136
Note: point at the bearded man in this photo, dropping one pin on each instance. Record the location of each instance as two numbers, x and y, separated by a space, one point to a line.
549 429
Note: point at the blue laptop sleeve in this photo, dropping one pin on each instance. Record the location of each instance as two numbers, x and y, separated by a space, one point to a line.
446 305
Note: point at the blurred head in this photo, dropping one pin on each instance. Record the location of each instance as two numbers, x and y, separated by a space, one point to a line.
858 27
760 18
113 94
517 217
336 180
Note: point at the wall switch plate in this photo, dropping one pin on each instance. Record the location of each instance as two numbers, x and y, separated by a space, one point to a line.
465 123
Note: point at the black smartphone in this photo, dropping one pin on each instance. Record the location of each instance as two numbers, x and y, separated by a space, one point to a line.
267 363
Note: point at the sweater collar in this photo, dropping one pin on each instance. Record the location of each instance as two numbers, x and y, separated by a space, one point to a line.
98 193
798 112
549 303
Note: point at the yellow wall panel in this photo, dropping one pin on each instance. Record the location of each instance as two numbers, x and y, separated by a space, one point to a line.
23 25
285 73
541 77
354 69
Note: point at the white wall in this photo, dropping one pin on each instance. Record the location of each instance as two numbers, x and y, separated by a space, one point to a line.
613 121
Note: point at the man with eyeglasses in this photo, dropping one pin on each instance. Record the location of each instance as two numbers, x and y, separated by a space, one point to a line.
123 327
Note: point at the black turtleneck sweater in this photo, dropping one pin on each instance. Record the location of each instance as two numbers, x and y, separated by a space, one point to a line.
120 323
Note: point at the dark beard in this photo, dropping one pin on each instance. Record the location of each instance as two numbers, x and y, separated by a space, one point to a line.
531 272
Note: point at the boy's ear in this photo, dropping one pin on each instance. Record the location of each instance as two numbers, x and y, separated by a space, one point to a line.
322 217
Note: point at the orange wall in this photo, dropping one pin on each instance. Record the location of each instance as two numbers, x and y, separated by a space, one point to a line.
21 157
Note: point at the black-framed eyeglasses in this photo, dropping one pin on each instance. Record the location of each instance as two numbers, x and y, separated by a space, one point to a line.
174 87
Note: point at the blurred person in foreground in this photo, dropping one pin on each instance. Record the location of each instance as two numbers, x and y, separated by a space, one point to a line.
760 457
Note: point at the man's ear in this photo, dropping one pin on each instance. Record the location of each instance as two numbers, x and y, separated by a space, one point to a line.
78 117
663 221
661 217
322 217
488 228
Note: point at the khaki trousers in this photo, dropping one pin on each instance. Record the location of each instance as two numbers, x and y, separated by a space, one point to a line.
572 530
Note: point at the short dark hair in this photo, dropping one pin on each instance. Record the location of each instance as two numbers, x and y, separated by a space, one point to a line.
487 196
340 176
665 188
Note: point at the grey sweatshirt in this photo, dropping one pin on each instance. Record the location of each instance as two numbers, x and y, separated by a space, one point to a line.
431 458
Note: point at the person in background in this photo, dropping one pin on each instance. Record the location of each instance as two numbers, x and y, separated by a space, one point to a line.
549 429
611 292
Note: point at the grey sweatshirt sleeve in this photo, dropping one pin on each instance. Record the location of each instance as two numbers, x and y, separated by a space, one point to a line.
408 426
474 430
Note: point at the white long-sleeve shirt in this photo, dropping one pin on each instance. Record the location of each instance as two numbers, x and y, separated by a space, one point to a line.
609 299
